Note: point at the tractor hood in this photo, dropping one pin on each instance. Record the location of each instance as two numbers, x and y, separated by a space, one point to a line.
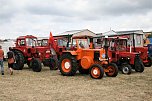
128 54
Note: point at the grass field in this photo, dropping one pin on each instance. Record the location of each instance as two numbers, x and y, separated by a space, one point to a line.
26 85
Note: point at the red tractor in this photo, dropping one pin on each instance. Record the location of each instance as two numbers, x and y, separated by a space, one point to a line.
147 60
27 51
86 60
126 60
61 45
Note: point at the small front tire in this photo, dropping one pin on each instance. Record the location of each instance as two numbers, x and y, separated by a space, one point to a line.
36 65
113 70
126 69
96 71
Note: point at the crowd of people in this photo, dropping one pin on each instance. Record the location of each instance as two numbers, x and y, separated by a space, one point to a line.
11 60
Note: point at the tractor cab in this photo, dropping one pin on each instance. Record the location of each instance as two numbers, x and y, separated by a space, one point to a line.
118 44
26 45
26 41
80 43
43 42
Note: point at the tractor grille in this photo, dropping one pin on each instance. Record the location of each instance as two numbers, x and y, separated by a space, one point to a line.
137 59
96 55
113 55
60 49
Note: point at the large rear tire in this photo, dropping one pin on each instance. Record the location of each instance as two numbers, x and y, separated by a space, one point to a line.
139 67
113 70
67 65
19 60
36 65
53 64
126 68
96 71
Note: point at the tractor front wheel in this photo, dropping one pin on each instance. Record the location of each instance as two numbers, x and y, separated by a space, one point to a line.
36 65
67 65
96 71
126 69
113 70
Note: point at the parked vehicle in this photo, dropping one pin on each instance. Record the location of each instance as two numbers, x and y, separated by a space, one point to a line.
126 60
5 46
86 60
28 52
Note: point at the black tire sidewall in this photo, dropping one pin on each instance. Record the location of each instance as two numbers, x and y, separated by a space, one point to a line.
19 58
37 67
74 65
116 70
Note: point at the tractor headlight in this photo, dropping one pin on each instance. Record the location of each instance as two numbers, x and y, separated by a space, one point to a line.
103 55
48 51
128 58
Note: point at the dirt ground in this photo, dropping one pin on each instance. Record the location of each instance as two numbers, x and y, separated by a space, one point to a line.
26 85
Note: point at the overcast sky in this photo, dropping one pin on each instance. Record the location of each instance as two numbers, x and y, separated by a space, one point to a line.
39 17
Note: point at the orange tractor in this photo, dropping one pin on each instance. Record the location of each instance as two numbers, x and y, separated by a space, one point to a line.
86 60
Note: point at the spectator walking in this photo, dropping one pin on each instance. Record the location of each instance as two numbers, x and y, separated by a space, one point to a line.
1 60
11 60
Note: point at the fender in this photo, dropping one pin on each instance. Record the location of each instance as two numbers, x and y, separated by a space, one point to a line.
70 52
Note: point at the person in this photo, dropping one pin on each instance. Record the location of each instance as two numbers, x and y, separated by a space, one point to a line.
1 60
11 60
81 45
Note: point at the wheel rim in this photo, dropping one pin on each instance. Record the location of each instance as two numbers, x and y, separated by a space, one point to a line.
111 70
125 70
95 72
66 65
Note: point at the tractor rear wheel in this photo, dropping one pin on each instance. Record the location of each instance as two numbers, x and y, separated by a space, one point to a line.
139 67
53 64
19 60
67 65
96 71
83 71
149 63
126 68
36 65
113 70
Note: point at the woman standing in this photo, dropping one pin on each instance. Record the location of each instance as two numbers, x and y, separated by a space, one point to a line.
11 60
